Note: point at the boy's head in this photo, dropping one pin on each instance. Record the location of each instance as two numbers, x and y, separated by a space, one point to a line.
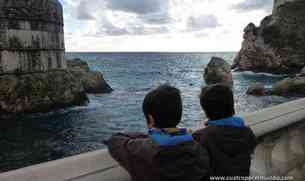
162 107
217 101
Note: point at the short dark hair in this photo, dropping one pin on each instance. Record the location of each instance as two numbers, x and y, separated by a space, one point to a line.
164 104
217 101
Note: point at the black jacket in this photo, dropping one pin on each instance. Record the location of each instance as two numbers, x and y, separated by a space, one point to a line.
147 161
230 149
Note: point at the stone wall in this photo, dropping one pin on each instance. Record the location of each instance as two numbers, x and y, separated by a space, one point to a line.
278 3
31 36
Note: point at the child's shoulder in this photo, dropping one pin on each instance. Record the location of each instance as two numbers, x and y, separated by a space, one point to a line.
207 130
212 130
203 134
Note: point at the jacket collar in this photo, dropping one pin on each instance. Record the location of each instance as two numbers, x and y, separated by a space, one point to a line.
230 122
170 136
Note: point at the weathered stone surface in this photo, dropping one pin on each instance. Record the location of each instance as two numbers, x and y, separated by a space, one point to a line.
218 71
302 73
257 89
92 81
40 92
277 45
78 65
290 87
31 36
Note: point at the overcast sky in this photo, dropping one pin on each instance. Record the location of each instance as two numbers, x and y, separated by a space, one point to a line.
159 25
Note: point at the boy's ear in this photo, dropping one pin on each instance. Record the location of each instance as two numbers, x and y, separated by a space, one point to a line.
150 121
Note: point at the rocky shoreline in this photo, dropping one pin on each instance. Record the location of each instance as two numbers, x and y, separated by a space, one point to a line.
276 46
93 81
46 91
288 87
40 92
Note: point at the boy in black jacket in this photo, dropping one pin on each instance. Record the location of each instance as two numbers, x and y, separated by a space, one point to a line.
166 153
229 141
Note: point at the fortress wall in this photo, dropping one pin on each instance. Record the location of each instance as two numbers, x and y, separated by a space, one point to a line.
31 36
278 3
31 61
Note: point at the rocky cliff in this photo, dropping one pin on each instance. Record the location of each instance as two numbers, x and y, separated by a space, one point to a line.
93 81
40 92
51 90
278 44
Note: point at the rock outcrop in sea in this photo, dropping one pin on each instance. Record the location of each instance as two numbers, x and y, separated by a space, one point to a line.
93 81
257 89
218 71
40 92
277 45
290 87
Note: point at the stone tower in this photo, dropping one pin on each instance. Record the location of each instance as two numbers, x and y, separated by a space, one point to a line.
31 36
278 3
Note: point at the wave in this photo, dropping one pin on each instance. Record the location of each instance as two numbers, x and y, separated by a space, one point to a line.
261 74
92 105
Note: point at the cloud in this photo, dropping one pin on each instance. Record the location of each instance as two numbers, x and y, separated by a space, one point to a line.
146 24
156 18
149 11
251 5
202 22
84 11
112 30
105 27
151 30
138 6
123 17
87 10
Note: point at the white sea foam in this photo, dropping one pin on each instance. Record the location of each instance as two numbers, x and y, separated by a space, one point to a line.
92 105
260 73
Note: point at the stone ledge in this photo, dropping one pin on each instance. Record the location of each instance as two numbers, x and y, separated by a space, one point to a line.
87 166
275 118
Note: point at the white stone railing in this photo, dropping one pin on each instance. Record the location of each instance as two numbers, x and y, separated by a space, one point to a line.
281 152
281 134
94 166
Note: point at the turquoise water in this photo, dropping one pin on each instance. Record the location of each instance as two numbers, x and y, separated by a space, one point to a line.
38 138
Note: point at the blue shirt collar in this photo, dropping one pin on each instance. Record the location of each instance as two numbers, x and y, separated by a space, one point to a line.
231 121
170 138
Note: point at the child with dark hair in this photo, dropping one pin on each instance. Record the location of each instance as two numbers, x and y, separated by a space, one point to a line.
166 153
228 140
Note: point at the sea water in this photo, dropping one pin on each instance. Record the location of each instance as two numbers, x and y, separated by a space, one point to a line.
37 138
